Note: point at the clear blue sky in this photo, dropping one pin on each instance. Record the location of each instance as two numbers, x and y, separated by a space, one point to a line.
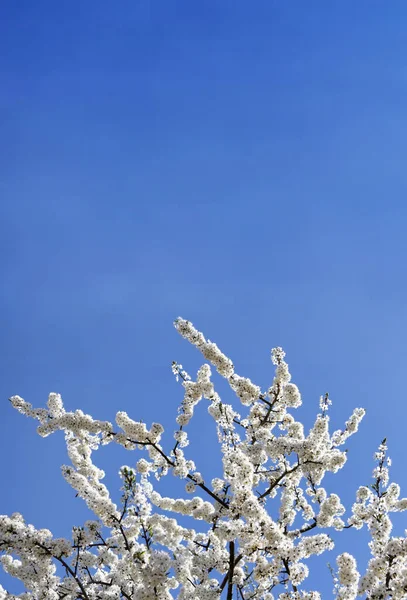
241 164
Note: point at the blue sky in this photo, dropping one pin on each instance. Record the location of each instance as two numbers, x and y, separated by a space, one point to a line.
241 164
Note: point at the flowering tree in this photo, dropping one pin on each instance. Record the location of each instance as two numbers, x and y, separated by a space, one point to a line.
144 548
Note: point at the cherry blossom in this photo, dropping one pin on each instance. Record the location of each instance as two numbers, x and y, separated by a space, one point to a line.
224 537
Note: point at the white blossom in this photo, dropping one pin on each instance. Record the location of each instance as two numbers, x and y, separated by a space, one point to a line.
256 523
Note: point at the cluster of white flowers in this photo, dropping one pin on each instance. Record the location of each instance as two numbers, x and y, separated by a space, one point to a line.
348 577
142 549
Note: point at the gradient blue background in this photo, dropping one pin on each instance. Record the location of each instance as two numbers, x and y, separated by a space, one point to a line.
241 164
